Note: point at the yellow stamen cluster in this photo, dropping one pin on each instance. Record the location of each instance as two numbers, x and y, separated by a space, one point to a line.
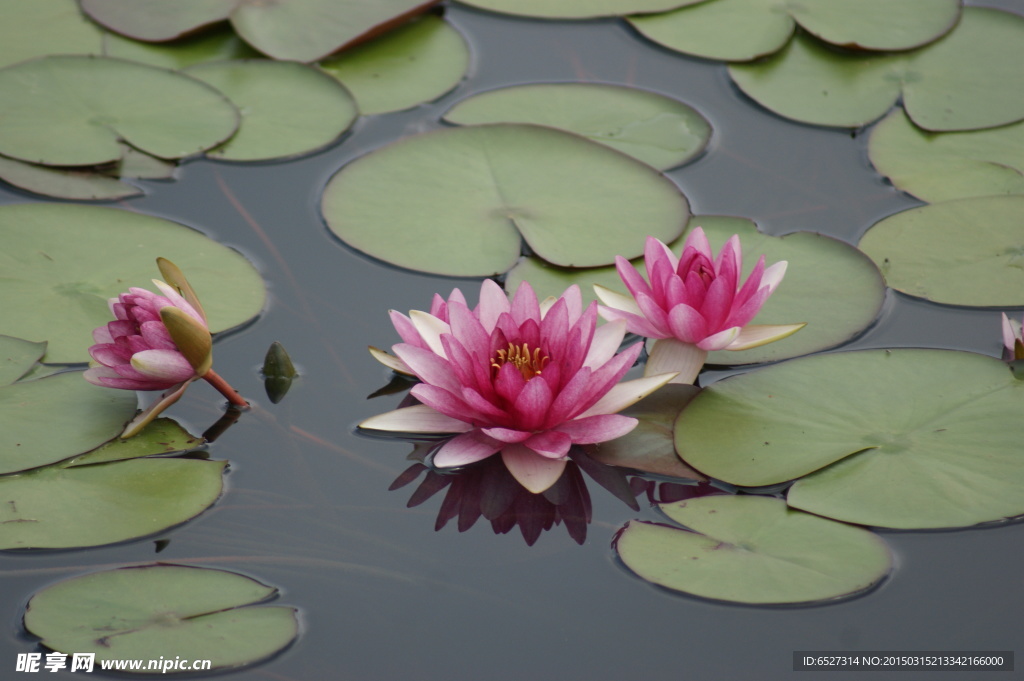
529 365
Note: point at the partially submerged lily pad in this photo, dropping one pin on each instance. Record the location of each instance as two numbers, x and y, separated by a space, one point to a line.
740 30
161 437
82 184
17 357
969 79
72 278
943 166
471 195
755 550
655 129
415 63
287 109
34 28
163 611
576 9
963 252
923 438
75 111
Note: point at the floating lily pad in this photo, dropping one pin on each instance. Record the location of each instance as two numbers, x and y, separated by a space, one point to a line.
161 437
137 165
287 109
740 30
655 129
951 165
85 184
470 195
964 252
218 44
749 549
17 357
163 611
849 291
650 446
576 9
923 438
34 28
75 111
969 79
415 63
54 418
72 278
304 30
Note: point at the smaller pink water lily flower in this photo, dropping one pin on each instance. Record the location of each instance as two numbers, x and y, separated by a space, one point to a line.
523 378
1013 340
694 304
156 342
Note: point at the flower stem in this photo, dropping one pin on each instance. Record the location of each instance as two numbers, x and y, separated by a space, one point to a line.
224 389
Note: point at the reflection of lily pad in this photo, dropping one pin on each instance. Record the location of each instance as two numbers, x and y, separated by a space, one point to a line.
952 165
576 9
415 63
470 195
971 78
923 438
34 28
54 418
72 278
287 109
172 612
750 549
303 30
738 30
17 357
64 184
75 111
652 128
964 252
848 289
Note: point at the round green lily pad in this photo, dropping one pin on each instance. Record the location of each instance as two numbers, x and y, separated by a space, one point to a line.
75 111
576 9
660 131
971 78
174 612
34 28
72 278
849 290
17 357
740 30
54 418
217 44
749 549
899 438
287 109
943 166
84 184
470 195
415 63
963 252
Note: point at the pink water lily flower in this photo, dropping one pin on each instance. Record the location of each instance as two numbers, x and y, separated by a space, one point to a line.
1013 340
523 378
694 304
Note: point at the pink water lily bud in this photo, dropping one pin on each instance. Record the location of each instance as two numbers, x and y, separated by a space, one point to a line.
523 378
694 304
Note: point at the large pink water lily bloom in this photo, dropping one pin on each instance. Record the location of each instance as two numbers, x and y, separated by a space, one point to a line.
694 304
523 378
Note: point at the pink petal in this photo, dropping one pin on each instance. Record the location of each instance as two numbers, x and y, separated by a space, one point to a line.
655 315
720 340
493 303
406 329
156 336
718 303
524 305
616 300
465 449
534 472
428 366
532 405
625 394
110 354
108 378
687 324
634 324
179 302
573 302
607 339
598 428
102 335
164 365
443 401
507 435
656 251
551 444
773 275
635 283
697 240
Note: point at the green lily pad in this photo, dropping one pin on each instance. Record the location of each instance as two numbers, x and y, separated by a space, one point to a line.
61 507
849 290
54 418
161 437
470 195
740 30
296 31
83 185
17 357
969 79
34 28
73 278
217 44
75 111
576 9
963 252
415 63
287 109
650 446
894 438
138 165
163 611
660 131
749 549
938 167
